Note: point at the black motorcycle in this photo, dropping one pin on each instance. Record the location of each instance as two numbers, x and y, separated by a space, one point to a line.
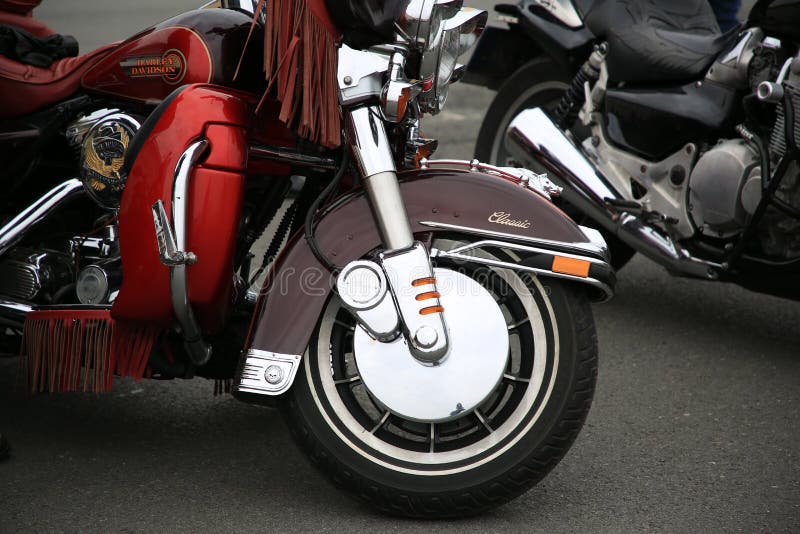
674 139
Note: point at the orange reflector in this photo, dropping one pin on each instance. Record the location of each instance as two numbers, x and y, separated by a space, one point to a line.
571 266
428 295
431 309
423 281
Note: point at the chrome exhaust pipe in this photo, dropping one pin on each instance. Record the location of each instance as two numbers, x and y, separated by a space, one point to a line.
17 227
536 139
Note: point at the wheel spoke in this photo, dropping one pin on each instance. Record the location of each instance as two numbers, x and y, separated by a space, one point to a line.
512 378
349 380
483 421
350 327
380 423
518 324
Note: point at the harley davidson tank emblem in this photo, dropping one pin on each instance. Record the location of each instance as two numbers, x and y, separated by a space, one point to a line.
501 217
102 158
170 66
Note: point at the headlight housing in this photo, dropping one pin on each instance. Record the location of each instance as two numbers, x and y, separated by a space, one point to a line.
441 30
422 20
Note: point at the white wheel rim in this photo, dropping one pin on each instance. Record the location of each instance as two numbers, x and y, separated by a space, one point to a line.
362 441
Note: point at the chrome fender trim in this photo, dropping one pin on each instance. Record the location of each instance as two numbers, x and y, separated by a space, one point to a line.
580 268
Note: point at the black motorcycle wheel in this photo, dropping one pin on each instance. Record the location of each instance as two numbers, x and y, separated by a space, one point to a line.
540 83
478 461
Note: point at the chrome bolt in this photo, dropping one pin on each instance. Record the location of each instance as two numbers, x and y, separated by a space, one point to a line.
426 337
348 80
273 374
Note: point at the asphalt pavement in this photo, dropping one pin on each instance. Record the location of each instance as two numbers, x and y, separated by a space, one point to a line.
695 425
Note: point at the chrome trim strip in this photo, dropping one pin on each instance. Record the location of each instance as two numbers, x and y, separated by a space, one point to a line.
522 176
199 351
589 247
266 373
13 231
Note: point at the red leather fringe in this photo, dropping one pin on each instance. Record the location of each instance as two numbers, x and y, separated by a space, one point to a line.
82 350
300 62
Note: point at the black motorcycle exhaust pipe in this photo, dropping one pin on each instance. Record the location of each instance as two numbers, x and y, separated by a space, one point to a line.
536 139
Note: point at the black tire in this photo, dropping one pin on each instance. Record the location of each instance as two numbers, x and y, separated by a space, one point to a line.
536 433
540 83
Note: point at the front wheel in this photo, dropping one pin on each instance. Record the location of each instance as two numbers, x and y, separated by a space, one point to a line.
481 456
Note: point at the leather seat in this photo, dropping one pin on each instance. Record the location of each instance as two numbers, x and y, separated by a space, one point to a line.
25 88
657 40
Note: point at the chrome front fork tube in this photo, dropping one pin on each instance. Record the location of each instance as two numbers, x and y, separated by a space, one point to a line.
405 262
375 161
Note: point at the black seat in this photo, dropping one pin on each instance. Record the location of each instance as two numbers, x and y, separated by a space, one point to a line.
657 40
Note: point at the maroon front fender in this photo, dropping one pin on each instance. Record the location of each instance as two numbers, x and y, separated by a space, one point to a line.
298 286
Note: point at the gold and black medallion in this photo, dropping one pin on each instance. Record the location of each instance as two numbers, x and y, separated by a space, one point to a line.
103 158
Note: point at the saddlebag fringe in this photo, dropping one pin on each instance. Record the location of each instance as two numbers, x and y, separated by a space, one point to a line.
82 350
300 62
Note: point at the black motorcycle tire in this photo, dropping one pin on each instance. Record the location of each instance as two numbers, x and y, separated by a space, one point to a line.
539 83
393 486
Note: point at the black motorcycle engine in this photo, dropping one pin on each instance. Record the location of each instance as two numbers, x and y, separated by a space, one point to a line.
85 270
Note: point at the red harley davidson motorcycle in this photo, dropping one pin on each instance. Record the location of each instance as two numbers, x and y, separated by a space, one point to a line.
425 329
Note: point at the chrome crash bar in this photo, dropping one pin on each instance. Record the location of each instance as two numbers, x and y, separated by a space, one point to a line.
171 240
17 227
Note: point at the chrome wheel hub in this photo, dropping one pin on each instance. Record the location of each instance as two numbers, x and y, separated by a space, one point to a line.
462 379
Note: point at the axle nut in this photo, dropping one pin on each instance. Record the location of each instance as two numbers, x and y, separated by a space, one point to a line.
426 337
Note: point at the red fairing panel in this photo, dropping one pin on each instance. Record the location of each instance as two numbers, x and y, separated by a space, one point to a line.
215 201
